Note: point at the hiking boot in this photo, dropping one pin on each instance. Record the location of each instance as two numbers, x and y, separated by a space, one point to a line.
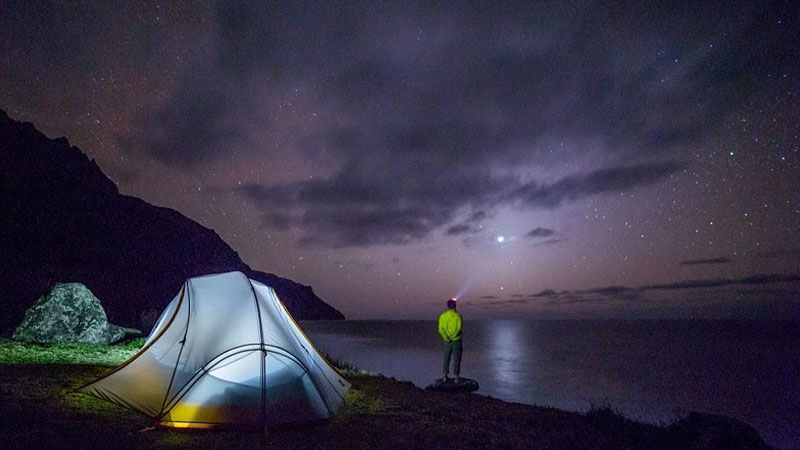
444 379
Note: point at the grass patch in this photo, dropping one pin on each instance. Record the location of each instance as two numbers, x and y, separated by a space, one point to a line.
346 368
358 401
12 352
134 344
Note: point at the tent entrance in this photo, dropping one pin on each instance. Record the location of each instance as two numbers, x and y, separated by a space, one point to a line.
229 392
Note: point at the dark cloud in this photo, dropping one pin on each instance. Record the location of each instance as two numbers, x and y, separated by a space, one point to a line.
614 293
462 228
784 292
550 241
356 208
574 187
639 294
608 290
487 297
428 112
505 303
694 262
575 298
477 216
604 294
540 232
544 293
194 127
565 298
716 282
781 252
469 226
702 283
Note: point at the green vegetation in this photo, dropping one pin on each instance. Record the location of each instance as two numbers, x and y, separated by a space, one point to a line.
108 355
346 368
105 355
358 401
134 344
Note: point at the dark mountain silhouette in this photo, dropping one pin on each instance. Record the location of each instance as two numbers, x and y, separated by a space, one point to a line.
63 220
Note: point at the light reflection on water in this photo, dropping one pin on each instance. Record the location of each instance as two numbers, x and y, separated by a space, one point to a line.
504 354
649 370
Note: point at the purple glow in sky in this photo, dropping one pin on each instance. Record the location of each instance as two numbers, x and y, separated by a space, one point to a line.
394 156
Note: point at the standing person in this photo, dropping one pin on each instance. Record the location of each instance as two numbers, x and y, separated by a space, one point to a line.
450 329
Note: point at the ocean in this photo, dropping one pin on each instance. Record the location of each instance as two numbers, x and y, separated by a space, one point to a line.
649 370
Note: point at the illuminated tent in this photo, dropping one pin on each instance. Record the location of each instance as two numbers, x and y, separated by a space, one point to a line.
225 352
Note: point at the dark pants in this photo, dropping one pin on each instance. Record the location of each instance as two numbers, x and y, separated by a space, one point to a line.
452 348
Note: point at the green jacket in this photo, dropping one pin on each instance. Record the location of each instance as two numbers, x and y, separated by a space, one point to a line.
450 325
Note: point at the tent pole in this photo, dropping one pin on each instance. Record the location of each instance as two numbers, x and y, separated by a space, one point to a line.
263 358
264 393
264 388
162 413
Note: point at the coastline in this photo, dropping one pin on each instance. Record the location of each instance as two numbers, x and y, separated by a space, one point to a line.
652 371
39 411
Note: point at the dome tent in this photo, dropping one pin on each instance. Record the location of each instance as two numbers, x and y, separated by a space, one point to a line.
225 352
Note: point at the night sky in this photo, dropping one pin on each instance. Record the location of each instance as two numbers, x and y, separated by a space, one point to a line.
394 156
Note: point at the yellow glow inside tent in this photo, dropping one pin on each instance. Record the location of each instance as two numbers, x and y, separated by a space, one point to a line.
187 425
183 415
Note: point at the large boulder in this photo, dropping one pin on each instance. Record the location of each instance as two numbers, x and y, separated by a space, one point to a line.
69 313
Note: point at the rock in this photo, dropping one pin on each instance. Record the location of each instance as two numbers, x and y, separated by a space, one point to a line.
711 431
69 313
117 333
463 385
